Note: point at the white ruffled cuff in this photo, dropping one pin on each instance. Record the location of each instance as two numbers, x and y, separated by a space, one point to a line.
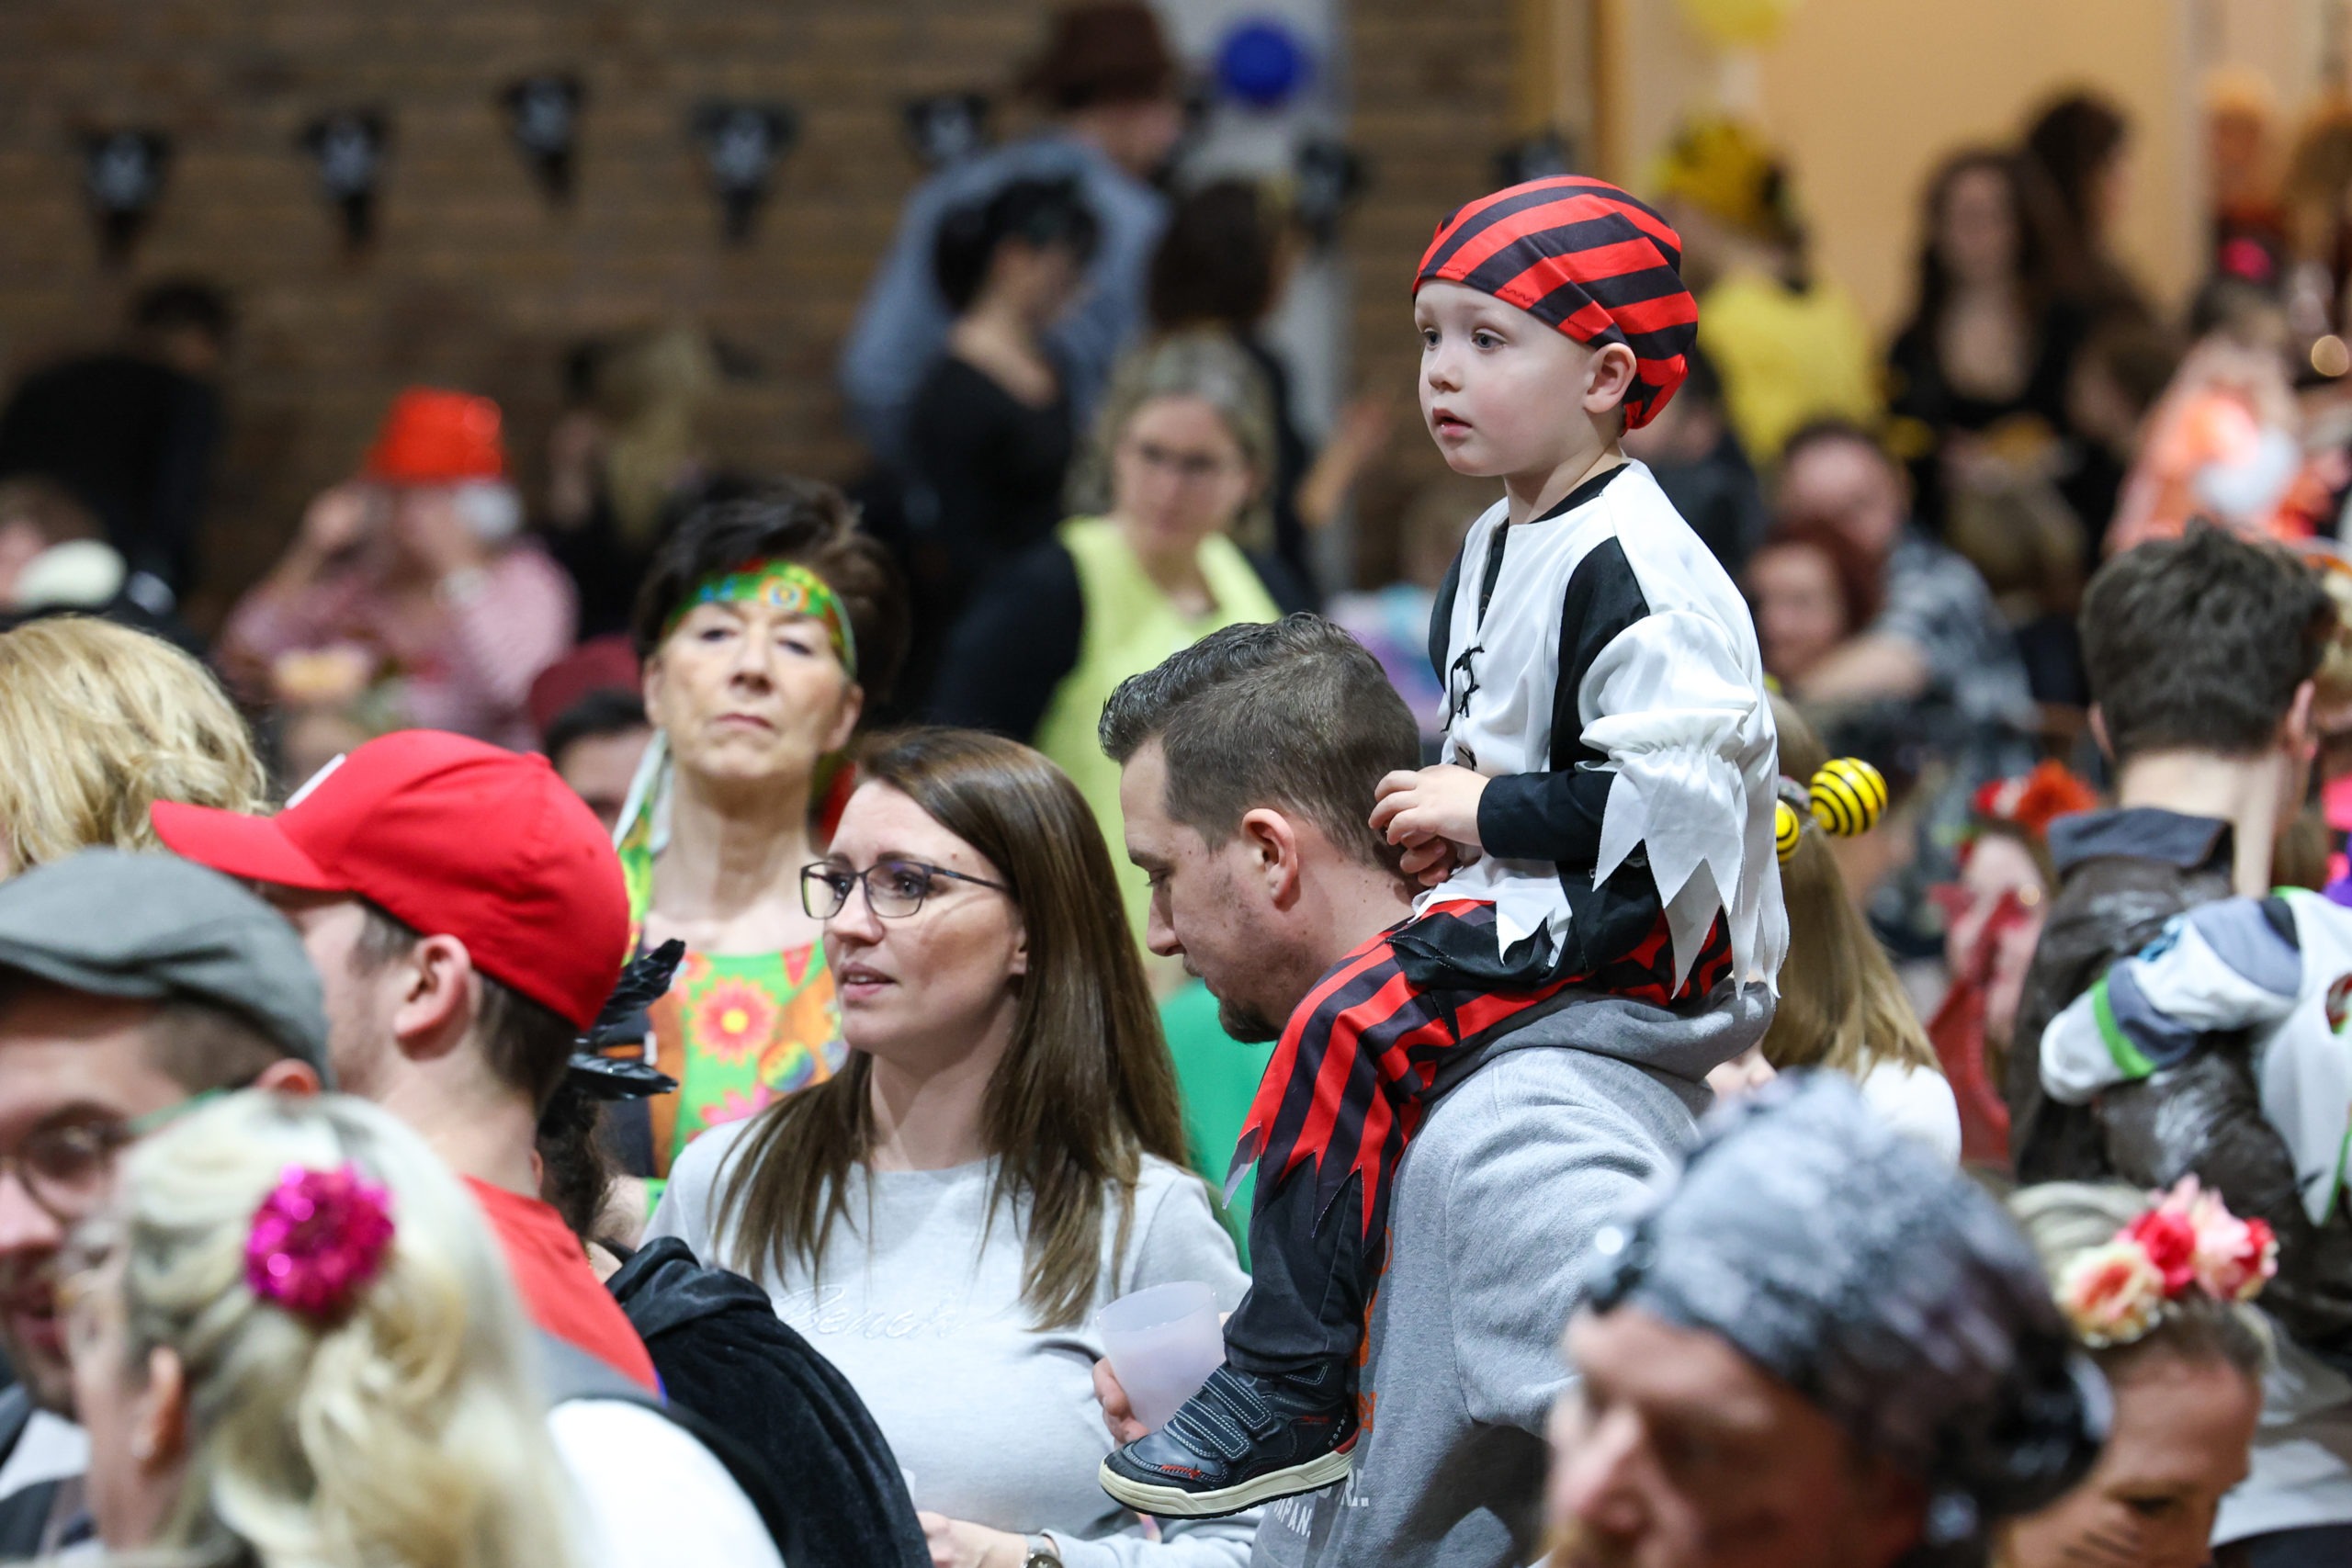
1679 796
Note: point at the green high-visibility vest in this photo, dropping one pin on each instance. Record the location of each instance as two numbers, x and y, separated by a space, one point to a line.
1130 627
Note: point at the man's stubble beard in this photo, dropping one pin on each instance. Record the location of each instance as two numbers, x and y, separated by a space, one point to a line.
1247 1019
51 1386
1246 1024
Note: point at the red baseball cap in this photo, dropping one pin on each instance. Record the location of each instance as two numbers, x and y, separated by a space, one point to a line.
434 437
452 836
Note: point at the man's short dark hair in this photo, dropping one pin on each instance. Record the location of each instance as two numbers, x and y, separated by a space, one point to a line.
199 1045
527 1044
1831 429
2200 643
202 1047
607 710
1295 714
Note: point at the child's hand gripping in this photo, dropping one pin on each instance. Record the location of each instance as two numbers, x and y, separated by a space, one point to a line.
1433 812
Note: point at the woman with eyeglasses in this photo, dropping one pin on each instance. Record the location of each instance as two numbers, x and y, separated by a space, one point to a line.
1183 455
999 1157
766 626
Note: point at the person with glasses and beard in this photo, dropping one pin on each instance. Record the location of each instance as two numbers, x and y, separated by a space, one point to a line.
130 984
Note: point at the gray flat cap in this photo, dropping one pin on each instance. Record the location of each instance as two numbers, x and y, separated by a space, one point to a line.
1884 1286
156 928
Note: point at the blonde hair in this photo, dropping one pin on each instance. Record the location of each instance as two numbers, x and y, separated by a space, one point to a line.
407 1433
97 722
1841 1005
1203 363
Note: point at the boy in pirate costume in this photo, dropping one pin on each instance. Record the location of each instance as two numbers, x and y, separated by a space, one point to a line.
1601 825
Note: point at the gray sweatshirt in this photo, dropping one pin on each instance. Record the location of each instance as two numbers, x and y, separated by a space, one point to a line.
1569 1124
919 1303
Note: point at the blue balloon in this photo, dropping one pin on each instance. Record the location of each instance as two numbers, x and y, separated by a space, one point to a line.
1261 64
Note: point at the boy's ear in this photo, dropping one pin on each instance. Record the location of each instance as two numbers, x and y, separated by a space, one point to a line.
1607 377
2296 731
2098 733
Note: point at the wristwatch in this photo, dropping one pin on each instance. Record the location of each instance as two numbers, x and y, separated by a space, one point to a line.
1043 1554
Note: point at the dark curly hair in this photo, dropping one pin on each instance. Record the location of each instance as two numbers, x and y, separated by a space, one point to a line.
2200 642
1038 213
1216 265
796 520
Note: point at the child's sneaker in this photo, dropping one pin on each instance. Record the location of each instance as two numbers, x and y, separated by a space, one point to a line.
1242 1441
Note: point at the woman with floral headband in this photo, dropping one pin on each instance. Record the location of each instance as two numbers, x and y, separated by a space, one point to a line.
766 626
294 1345
2269 981
2157 1291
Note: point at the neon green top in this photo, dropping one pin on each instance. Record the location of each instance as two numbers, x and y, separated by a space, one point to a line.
1218 1078
1131 624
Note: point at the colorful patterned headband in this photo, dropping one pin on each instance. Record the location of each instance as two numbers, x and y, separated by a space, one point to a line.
2187 1240
317 1238
782 585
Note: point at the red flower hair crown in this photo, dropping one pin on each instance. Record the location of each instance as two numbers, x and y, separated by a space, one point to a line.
2187 1240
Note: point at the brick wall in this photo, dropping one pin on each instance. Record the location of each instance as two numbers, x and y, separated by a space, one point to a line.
474 280
1432 105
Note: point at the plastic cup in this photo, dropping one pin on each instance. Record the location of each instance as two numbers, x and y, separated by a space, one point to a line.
1163 1343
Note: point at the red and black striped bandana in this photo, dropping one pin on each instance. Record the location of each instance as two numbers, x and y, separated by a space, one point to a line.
1585 257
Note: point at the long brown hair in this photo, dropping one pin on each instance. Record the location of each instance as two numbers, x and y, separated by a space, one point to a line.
1841 1006
1085 1090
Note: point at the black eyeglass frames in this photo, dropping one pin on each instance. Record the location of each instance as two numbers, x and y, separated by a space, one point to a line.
894 888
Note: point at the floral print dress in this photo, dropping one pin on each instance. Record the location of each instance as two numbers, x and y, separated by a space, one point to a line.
737 1030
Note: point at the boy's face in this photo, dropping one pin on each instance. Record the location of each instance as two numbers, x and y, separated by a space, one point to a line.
1502 393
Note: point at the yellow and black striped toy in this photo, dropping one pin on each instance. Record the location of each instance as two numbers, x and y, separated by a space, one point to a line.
1846 797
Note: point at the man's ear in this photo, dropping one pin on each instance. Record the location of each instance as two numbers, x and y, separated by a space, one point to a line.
1272 840
2295 731
159 1431
286 1075
1607 377
2098 733
439 998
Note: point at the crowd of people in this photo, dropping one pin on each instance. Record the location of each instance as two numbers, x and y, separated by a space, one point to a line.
1778 1003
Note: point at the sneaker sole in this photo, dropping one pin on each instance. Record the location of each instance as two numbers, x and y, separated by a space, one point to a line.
1175 1503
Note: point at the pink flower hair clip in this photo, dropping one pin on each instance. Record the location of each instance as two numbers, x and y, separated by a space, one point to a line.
317 1238
2188 1240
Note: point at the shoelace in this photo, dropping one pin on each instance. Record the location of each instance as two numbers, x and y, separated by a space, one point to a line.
1219 1419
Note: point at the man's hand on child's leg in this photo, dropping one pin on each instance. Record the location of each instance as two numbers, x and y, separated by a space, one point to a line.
1434 813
